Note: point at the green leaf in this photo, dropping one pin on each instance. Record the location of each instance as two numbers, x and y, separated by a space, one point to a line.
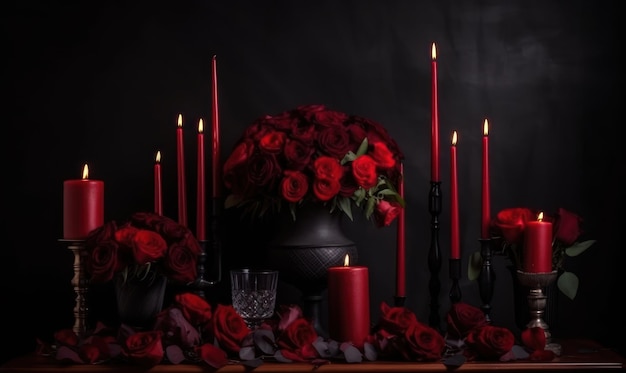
360 196
363 147
346 206
579 247
232 201
387 192
568 284
292 208
474 266
369 208
349 157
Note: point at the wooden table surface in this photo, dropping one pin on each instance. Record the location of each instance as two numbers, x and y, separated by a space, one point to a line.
578 355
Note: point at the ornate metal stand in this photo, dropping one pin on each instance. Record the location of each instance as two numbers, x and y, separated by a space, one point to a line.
210 262
455 275
537 302
487 277
434 253
80 283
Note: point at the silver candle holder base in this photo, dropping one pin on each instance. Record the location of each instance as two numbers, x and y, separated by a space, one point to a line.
80 283
537 302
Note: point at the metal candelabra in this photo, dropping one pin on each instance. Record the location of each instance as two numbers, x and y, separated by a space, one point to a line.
80 283
209 271
487 277
434 253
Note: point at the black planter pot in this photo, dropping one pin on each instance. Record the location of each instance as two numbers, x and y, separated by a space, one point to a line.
304 249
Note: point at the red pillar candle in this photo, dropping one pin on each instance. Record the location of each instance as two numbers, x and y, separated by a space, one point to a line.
486 204
434 135
215 139
158 193
455 247
200 201
180 167
348 303
538 246
400 242
83 206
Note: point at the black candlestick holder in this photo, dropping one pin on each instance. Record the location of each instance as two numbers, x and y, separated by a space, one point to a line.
80 283
398 301
434 253
455 275
486 278
209 269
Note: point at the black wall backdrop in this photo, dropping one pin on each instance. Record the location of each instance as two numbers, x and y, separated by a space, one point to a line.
102 83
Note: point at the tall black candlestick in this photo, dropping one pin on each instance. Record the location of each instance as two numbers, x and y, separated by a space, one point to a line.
434 253
486 278
455 275
210 262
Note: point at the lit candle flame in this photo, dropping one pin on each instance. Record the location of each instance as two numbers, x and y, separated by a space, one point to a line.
200 126
85 172
486 128
454 138
433 52
180 120
540 216
346 261
158 156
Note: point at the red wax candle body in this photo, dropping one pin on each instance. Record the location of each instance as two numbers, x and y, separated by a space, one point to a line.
455 247
400 241
486 204
180 167
200 201
83 207
538 247
348 304
158 193
215 140
434 136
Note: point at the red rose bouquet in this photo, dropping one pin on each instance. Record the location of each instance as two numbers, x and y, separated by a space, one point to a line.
312 154
144 246
507 231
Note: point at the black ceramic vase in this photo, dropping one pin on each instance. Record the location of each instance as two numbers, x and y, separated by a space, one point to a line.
304 249
139 301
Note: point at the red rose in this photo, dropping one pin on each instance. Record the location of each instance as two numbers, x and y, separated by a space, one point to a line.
364 171
423 343
334 141
126 234
329 118
463 318
327 167
181 263
534 339
490 342
298 154
176 328
272 142
298 338
287 315
212 355
263 169
567 227
326 188
348 184
385 212
66 337
144 348
195 308
283 121
148 246
382 155
229 328
510 223
294 186
239 156
103 261
396 320
89 353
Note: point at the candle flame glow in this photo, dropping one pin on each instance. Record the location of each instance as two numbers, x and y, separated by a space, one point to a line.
433 51
540 216
200 126
180 120
85 172
454 138
346 261
486 128
158 156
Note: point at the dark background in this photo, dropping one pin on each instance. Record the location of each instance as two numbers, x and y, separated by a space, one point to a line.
103 82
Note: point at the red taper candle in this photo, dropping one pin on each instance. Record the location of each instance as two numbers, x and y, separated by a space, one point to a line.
180 167
400 242
200 200
455 246
434 135
348 303
83 206
158 192
486 204
215 138
538 246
